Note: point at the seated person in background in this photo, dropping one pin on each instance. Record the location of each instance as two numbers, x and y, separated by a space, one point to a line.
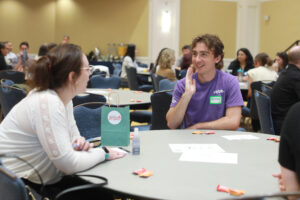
186 49
281 62
154 69
286 90
44 49
165 63
3 53
289 151
209 98
66 39
23 57
263 71
11 57
186 63
41 128
129 61
244 62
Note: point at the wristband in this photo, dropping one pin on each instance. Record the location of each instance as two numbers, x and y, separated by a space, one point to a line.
106 152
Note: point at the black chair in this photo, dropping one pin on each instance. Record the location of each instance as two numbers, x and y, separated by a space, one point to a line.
102 82
263 103
257 85
15 76
86 98
133 81
160 105
9 97
166 84
266 89
155 81
88 119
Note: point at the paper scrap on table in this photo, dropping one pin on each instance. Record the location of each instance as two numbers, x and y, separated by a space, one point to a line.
179 148
214 157
240 137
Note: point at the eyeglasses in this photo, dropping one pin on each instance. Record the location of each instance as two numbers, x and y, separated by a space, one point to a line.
89 69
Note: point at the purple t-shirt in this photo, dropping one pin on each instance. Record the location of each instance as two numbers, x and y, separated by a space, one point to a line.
211 99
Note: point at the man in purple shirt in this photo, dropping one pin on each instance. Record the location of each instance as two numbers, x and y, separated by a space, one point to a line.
209 98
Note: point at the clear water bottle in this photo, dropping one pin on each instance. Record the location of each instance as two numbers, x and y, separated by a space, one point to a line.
136 142
240 74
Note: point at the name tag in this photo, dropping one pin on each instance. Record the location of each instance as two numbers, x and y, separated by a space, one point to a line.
215 100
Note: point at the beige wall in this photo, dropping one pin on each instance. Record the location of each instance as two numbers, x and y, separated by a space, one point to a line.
30 20
205 16
283 27
91 23
97 23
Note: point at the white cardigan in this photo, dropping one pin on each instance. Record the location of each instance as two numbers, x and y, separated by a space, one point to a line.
40 129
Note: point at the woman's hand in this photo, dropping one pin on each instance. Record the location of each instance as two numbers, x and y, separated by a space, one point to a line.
113 154
82 145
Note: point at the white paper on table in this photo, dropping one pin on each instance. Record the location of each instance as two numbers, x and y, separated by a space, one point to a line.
97 91
214 157
179 148
240 137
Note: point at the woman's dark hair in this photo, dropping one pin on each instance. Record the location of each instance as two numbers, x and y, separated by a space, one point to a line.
157 59
52 70
186 61
249 58
131 51
214 44
264 59
51 46
43 50
2 46
284 58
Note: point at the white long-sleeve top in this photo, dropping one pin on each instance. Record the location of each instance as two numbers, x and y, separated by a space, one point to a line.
127 62
41 129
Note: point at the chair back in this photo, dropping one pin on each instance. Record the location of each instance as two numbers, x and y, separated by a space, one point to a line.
155 81
15 76
166 84
257 85
102 82
253 109
263 104
160 102
9 97
11 186
132 78
86 98
117 69
266 89
88 119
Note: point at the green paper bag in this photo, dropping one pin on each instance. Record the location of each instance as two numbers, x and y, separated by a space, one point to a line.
115 126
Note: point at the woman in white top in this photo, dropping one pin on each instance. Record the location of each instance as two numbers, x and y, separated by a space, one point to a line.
41 128
263 71
129 61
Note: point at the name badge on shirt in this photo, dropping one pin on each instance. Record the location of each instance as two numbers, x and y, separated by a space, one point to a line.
215 100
